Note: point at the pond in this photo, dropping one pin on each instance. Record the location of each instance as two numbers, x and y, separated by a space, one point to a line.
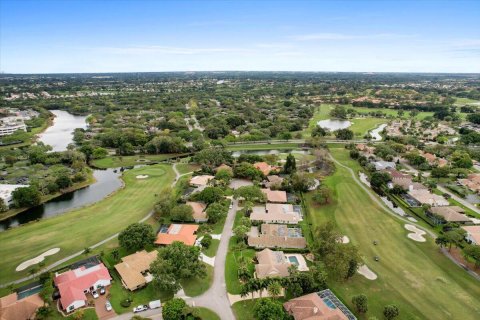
334 124
60 134
107 181
237 153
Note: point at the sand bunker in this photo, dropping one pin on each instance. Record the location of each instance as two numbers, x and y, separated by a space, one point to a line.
417 235
412 219
366 272
142 176
36 260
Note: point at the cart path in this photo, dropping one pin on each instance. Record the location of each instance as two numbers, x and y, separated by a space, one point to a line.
98 244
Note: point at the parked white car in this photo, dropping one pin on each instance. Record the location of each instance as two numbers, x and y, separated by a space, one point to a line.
108 306
95 294
140 308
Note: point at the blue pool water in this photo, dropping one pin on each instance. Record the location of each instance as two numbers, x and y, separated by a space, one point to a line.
29 292
329 303
293 260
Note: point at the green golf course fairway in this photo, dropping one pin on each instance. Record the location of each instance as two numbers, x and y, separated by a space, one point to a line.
81 228
415 276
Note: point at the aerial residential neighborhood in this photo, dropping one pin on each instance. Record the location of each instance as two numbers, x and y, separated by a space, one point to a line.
239 160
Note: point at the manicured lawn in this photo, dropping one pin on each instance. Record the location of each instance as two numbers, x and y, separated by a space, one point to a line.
361 126
78 229
196 286
234 285
212 250
415 276
244 309
141 296
88 314
125 161
206 314
186 167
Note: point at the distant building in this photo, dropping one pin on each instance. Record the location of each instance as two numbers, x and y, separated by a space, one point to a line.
9 125
323 305
6 191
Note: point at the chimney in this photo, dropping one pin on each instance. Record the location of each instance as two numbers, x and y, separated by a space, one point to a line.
315 310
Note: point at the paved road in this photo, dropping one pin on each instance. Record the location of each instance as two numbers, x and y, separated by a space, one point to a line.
215 298
382 205
98 244
457 198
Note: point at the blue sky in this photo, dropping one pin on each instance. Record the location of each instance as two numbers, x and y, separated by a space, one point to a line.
122 36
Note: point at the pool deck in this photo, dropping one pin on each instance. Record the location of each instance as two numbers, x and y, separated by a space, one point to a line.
302 264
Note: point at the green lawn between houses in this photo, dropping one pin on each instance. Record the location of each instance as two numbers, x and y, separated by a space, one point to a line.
126 161
84 227
416 277
206 314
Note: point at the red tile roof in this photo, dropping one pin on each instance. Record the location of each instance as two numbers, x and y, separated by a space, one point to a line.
72 283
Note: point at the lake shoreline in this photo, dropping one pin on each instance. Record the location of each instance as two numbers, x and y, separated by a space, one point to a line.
13 212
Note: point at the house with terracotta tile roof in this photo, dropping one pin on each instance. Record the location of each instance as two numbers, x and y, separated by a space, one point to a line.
424 196
12 308
265 168
472 182
199 214
273 181
73 285
276 196
277 213
201 181
133 269
447 214
271 264
473 234
185 233
323 305
276 236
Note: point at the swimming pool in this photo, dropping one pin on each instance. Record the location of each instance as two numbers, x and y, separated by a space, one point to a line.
29 292
329 303
293 260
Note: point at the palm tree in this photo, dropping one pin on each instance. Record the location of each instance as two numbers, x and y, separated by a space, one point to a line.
274 289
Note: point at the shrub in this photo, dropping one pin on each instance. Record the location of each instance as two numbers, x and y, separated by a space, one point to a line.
206 241
125 303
